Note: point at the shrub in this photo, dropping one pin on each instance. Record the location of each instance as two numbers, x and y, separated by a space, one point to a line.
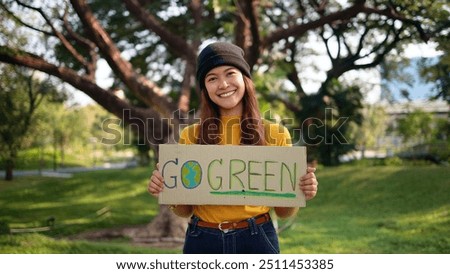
393 161
4 228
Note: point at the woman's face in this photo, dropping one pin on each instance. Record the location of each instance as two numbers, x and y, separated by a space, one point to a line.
225 86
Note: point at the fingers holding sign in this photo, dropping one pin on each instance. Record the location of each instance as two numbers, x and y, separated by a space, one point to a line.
309 183
156 182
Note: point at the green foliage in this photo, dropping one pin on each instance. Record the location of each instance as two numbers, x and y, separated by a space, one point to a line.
326 118
373 126
434 15
383 162
351 43
332 111
440 148
416 125
21 93
4 228
66 136
269 85
438 72
393 161
18 101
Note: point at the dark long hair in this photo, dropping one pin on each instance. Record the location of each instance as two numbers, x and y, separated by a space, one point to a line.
252 128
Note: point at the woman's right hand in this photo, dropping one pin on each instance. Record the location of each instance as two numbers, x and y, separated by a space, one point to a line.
156 182
156 185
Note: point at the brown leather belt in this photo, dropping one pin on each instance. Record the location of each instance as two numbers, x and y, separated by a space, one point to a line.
226 226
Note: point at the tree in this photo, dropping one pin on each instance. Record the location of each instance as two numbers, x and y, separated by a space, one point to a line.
63 129
417 127
152 45
438 72
372 128
63 126
20 96
425 136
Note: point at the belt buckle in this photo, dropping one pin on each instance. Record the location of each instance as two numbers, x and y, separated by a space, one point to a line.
220 226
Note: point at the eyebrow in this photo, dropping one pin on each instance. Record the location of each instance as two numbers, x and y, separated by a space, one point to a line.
226 70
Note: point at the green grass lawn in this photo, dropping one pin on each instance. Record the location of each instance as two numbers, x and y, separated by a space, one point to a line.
375 210
358 210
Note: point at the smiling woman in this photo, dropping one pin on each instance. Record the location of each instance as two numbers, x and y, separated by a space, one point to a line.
226 88
230 116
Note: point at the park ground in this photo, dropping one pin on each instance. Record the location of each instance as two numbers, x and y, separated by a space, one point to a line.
359 209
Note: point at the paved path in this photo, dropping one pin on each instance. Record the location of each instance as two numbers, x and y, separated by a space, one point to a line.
68 171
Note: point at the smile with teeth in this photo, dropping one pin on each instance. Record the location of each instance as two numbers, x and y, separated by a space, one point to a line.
227 94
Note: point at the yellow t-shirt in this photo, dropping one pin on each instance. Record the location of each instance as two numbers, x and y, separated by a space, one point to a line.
230 134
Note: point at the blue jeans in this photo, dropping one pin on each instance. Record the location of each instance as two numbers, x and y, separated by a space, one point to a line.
256 239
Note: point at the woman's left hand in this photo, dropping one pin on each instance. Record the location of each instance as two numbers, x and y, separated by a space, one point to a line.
308 183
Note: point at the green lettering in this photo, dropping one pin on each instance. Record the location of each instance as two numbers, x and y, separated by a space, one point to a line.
292 175
251 173
210 182
236 167
267 174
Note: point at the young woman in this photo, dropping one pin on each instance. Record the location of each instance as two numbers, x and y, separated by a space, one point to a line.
230 116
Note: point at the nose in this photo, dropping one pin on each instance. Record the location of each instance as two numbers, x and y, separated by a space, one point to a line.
223 84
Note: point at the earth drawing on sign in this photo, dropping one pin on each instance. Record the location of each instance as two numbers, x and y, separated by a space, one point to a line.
191 174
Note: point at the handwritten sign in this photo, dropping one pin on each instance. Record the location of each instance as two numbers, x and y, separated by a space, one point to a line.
232 175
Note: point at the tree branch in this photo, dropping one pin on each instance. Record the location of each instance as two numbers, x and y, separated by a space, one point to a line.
288 103
47 33
249 10
183 101
196 8
242 38
293 74
325 41
58 34
176 43
344 64
391 13
148 120
91 66
380 56
299 30
143 88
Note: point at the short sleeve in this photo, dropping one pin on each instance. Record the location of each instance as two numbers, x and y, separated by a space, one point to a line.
277 135
188 135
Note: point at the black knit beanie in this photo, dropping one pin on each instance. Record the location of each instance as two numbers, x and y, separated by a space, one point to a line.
218 54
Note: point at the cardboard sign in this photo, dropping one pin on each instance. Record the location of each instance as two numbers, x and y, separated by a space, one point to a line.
232 175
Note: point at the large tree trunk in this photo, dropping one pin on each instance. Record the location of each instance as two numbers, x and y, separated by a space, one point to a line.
166 226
